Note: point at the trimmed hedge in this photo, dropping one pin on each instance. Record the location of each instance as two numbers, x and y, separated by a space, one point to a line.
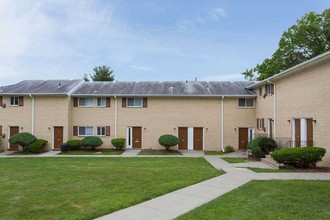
73 144
36 146
118 143
229 149
260 146
168 141
23 139
302 157
92 142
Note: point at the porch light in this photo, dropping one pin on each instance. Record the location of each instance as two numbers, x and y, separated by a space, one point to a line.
314 121
289 120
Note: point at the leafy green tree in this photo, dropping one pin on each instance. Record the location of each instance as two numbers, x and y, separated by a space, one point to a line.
101 73
309 37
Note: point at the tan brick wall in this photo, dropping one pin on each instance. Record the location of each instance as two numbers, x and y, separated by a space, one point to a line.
235 118
94 116
51 111
264 109
15 116
306 95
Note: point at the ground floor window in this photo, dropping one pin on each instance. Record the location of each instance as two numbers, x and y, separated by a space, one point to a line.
100 131
85 131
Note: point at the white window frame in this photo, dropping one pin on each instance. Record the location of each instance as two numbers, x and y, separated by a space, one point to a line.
103 128
270 87
260 91
85 131
103 102
15 98
86 106
135 104
260 125
245 103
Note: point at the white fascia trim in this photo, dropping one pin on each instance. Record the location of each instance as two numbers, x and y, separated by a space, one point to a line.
156 95
318 59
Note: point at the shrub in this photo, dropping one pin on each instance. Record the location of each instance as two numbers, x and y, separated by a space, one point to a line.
260 146
229 149
1 150
168 141
299 157
23 139
36 146
74 144
92 142
118 143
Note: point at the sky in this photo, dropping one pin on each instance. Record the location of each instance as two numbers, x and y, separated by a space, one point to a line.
142 40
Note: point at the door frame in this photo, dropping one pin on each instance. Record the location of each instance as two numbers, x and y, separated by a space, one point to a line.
248 136
53 135
129 137
190 136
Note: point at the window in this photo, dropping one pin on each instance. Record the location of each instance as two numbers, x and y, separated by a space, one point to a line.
14 101
269 89
86 102
101 102
134 102
260 91
245 102
85 131
100 131
260 123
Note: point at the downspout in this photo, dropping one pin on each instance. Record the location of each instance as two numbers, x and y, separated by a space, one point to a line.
116 117
32 113
222 123
274 106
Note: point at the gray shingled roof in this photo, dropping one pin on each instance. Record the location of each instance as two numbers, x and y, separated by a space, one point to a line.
175 88
40 87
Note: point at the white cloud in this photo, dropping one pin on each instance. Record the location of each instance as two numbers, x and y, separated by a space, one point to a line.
143 68
217 13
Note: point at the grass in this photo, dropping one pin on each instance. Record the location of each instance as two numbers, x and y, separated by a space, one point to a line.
159 152
234 159
213 153
86 152
86 188
265 170
276 199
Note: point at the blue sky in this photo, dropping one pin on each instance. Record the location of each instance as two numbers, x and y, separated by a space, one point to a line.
156 40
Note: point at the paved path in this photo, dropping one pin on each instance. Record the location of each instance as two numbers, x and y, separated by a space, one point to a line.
176 203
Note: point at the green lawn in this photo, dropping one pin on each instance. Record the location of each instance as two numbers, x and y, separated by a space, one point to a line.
86 152
213 153
159 152
234 159
276 199
85 188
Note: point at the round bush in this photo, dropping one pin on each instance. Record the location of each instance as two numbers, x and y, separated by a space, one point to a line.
92 142
229 149
260 146
168 141
36 146
301 157
118 143
73 144
23 139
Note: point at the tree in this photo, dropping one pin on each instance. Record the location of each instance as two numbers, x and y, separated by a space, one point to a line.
23 139
306 39
101 73
168 141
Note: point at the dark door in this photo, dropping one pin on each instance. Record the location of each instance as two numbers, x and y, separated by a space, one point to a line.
270 128
310 141
13 130
137 137
183 137
58 137
297 132
243 138
198 138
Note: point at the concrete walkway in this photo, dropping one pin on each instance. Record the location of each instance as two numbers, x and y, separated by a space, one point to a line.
176 203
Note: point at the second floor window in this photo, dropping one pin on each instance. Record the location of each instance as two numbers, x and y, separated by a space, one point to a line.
14 101
134 102
85 102
269 89
245 102
260 91
101 102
